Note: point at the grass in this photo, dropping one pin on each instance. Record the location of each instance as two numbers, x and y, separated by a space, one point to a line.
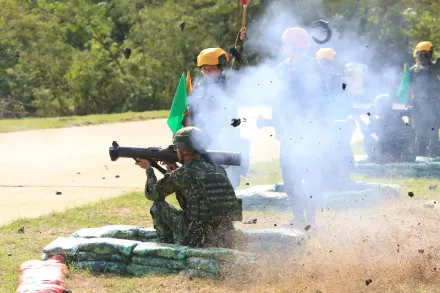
350 247
419 186
8 125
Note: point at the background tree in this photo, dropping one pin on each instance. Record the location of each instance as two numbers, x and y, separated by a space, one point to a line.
63 57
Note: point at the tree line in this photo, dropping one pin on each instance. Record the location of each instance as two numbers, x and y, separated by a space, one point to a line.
64 57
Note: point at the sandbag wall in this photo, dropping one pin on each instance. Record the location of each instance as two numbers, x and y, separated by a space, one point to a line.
100 250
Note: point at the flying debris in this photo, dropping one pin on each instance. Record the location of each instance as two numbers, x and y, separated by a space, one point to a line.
251 221
126 52
235 122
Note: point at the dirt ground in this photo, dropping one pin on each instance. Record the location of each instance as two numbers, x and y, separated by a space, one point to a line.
392 247
34 165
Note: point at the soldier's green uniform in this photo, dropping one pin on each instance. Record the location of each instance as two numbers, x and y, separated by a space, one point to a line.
211 108
426 103
205 195
240 59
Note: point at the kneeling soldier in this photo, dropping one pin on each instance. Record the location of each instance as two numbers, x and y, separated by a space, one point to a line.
208 201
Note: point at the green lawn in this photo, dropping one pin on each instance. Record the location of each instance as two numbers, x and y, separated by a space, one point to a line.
8 125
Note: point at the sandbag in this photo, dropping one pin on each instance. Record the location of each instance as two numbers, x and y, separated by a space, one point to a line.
56 262
101 266
107 246
212 253
160 262
172 251
141 270
63 246
111 231
90 256
204 264
40 288
199 274
42 276
146 234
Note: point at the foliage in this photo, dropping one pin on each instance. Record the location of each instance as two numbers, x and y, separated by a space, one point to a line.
64 57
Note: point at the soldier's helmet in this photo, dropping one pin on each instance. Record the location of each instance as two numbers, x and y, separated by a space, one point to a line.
325 53
424 51
425 46
190 138
296 37
213 56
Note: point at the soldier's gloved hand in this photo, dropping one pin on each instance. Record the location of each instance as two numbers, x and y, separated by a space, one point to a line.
242 33
170 166
144 164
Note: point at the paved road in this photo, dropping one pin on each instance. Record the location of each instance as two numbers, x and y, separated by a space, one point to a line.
35 164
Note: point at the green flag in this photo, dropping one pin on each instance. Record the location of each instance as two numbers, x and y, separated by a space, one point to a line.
405 85
178 107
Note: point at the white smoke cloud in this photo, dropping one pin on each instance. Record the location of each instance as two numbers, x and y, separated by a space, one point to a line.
306 131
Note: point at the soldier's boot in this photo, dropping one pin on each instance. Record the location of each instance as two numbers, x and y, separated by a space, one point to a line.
293 197
298 220
169 223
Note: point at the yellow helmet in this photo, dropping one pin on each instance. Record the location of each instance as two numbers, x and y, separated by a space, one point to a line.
424 46
213 56
325 53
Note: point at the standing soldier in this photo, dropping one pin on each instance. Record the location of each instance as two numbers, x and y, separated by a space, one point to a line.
336 109
426 100
211 109
296 122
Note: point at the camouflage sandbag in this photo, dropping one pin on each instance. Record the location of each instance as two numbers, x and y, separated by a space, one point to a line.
108 246
213 253
101 266
163 250
146 234
199 274
63 246
141 270
204 264
90 256
112 231
160 262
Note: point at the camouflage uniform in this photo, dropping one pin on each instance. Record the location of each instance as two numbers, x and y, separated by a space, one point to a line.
297 121
204 220
210 102
241 59
426 107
